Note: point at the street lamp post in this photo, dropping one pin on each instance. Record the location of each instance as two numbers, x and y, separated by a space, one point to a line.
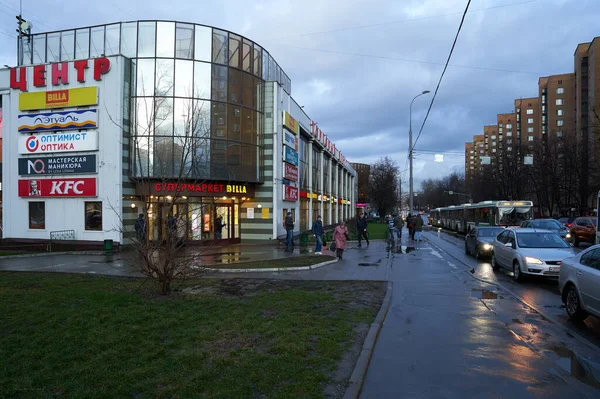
410 154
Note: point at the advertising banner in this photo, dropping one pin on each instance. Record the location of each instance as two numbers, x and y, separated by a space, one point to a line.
75 187
57 165
290 140
290 156
49 121
58 98
290 172
58 142
290 193
290 123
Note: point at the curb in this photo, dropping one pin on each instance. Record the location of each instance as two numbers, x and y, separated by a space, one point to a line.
524 302
37 255
362 364
272 269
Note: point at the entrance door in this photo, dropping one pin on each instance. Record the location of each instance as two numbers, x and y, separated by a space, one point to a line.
161 230
225 212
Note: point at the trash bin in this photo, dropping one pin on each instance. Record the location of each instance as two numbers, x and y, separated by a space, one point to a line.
108 245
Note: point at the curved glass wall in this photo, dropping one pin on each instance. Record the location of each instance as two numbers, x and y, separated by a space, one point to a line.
197 94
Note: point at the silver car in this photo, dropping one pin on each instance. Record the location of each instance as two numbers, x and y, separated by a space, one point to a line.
579 283
530 252
548 224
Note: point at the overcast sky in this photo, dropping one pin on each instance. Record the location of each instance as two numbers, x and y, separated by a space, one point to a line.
355 65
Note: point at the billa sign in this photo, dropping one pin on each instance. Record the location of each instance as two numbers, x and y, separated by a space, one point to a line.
290 193
51 121
57 165
76 187
290 123
290 156
58 98
58 142
290 172
290 140
59 73
196 189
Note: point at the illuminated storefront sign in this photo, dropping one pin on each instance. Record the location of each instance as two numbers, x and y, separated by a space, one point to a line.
57 165
58 142
290 123
290 172
290 156
290 140
59 73
196 189
58 98
290 193
49 121
76 187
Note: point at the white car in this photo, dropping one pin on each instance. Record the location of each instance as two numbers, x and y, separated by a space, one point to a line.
579 283
527 251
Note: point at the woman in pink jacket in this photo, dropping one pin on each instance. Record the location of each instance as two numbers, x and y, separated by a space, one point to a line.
340 235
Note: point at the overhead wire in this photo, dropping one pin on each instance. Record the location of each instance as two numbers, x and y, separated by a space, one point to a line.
441 76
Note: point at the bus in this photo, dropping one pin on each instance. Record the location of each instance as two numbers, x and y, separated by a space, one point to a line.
487 213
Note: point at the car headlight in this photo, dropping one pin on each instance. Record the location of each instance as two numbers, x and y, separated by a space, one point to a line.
487 247
533 261
568 235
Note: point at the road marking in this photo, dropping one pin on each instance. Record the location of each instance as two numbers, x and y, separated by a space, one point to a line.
452 265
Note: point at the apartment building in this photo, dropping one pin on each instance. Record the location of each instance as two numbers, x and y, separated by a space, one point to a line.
557 105
527 114
469 160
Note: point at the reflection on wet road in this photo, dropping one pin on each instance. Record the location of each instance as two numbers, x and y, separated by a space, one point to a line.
543 293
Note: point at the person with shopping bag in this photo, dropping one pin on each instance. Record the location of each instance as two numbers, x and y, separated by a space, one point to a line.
340 236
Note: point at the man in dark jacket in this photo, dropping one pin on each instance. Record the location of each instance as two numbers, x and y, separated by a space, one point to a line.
417 228
140 229
361 229
219 228
317 230
288 224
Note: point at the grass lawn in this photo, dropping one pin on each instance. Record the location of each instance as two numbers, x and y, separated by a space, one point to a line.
377 231
87 336
274 263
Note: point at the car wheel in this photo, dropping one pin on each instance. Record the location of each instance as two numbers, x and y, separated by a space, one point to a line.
575 241
573 305
495 265
517 275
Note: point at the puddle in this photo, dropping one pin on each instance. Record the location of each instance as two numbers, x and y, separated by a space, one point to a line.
402 250
484 294
517 321
571 363
227 260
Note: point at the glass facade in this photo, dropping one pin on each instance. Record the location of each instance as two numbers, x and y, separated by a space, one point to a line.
196 99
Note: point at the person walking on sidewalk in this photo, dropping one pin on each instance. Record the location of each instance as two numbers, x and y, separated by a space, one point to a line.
288 224
417 228
340 235
317 230
361 229
399 224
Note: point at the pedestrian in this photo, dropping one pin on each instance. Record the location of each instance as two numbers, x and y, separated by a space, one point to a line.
361 229
317 230
399 224
409 223
219 228
171 226
288 224
340 235
140 229
417 228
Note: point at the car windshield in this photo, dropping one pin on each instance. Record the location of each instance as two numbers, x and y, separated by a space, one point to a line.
541 240
546 224
489 233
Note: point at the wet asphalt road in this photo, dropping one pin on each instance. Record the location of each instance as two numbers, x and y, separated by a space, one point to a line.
542 293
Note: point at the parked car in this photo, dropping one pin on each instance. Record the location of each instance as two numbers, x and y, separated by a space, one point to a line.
579 283
479 241
528 251
566 222
547 224
583 229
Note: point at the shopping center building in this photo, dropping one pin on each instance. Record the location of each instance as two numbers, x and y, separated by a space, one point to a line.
103 123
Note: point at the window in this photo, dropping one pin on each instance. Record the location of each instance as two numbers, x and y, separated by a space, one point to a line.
529 111
494 137
508 148
493 150
93 215
560 101
560 90
37 215
530 130
494 144
481 151
509 141
509 125
560 133
530 120
529 138
508 134
560 112
560 123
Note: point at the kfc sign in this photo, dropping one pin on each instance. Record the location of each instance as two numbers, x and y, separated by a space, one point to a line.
59 74
78 187
290 193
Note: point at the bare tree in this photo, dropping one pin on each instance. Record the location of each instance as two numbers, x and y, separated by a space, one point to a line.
384 185
440 192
